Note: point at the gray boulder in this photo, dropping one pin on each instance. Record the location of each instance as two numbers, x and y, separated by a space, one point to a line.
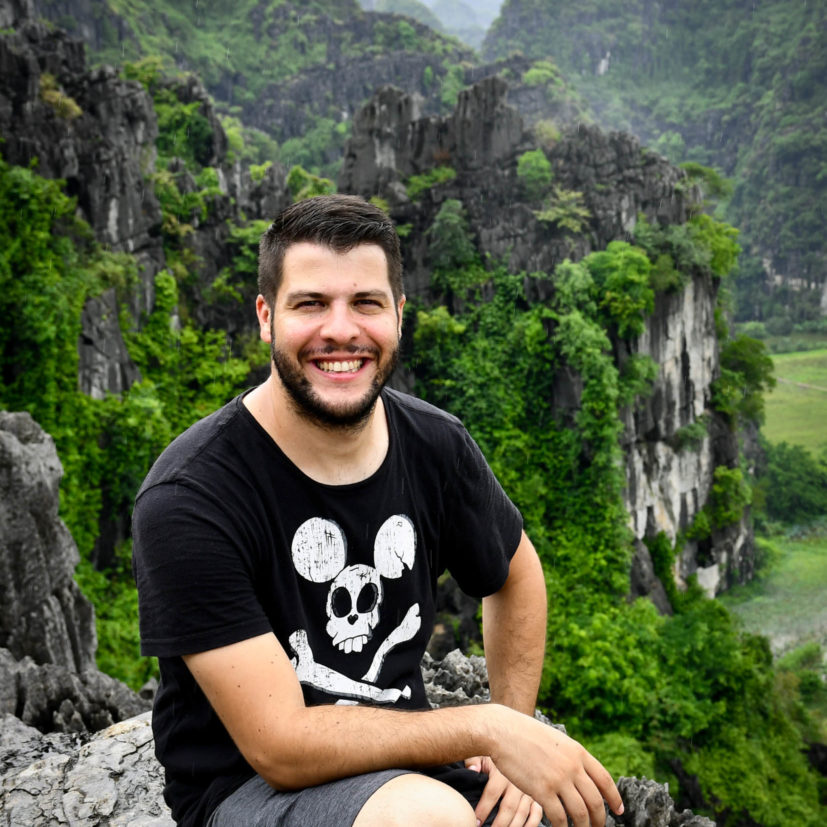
42 611
111 778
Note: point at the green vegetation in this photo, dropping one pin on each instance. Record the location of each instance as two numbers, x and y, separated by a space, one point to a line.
244 51
411 8
303 184
719 87
796 409
786 603
746 374
534 174
565 209
651 690
64 106
793 486
417 184
49 267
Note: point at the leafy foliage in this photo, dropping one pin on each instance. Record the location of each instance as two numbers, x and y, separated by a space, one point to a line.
690 690
534 174
793 484
303 184
417 184
728 91
565 209
450 246
49 268
746 373
621 276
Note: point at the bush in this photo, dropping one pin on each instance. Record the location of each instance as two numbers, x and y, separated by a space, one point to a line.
450 245
746 374
534 174
565 208
621 277
795 483
303 184
417 184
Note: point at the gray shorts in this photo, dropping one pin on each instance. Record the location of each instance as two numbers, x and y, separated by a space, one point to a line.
256 804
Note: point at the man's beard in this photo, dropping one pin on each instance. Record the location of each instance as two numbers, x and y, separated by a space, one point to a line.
306 401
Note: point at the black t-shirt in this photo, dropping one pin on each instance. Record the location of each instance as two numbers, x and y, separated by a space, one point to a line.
232 540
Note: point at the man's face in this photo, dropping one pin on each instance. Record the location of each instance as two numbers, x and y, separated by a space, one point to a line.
333 331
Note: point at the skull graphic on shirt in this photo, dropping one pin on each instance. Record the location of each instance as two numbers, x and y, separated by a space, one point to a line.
354 597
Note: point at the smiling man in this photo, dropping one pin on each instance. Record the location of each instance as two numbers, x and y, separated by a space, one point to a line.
286 551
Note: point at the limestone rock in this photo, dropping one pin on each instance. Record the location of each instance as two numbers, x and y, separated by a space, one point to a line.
42 611
53 698
482 141
113 778
667 480
648 804
103 146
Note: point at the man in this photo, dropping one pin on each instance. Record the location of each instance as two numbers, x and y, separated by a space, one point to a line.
286 550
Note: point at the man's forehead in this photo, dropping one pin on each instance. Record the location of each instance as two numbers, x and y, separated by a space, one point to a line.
364 264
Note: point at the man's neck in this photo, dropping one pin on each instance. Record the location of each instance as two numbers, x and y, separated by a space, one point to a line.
333 456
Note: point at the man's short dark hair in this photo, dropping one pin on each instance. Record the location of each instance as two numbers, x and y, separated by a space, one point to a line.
340 222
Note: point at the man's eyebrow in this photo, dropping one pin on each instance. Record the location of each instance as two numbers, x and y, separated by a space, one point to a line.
299 295
372 294
313 295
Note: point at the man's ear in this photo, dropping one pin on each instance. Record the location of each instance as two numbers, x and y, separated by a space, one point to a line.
399 307
264 313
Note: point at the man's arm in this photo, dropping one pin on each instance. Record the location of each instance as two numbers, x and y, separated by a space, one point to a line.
253 688
514 631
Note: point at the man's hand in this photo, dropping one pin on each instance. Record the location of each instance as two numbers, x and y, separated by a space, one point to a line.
555 770
516 808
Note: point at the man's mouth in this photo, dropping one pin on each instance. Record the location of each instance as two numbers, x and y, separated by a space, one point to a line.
347 366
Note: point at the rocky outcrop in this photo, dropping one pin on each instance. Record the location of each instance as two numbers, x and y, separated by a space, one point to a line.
89 127
668 478
42 611
48 677
54 698
113 777
482 141
97 132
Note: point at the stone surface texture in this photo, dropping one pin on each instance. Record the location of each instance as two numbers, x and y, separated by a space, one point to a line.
42 611
113 778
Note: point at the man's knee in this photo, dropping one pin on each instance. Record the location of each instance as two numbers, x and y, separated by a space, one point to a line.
413 800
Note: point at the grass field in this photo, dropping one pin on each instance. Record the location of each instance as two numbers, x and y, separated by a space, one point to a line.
788 602
796 409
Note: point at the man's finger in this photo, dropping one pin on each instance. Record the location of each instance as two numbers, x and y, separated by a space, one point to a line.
604 783
496 785
584 805
555 813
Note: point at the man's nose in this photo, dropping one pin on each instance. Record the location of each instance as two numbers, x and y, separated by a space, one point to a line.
340 323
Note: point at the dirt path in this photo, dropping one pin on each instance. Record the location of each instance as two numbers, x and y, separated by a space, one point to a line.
800 384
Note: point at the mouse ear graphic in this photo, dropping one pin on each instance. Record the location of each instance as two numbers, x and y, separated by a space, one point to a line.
319 550
395 546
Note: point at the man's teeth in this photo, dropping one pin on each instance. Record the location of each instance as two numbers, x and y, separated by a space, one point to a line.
341 367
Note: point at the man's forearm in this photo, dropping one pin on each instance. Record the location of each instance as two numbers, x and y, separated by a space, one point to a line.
323 743
514 632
